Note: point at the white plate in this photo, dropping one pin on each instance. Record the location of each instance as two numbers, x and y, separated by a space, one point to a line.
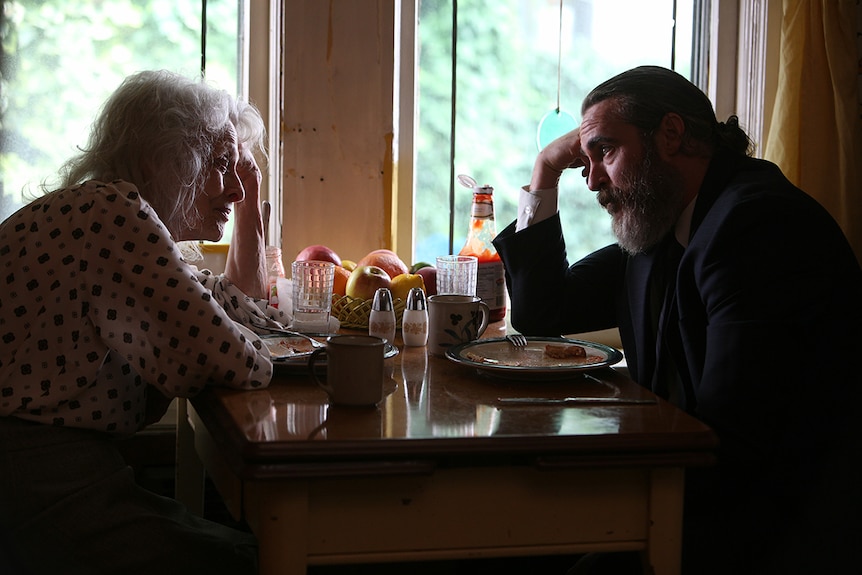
282 347
298 363
498 357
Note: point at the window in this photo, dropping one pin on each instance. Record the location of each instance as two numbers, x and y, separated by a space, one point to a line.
511 71
512 67
62 59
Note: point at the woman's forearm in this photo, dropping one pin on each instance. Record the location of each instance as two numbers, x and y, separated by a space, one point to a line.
246 257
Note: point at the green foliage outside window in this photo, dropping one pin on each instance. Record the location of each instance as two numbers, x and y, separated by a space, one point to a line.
60 61
507 80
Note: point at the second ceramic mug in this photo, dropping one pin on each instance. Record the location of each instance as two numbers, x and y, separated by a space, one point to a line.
454 319
354 369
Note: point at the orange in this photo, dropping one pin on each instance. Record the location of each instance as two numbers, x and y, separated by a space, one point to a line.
403 283
387 260
339 284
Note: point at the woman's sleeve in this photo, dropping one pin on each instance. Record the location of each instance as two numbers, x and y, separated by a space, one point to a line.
255 314
148 305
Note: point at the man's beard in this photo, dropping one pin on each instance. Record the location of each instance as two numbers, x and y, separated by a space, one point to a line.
648 203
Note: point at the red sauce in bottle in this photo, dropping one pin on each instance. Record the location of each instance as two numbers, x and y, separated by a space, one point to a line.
491 279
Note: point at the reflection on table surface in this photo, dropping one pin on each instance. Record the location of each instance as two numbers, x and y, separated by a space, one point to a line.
431 398
446 470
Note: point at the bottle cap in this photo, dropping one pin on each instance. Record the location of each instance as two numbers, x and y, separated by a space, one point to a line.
416 299
382 300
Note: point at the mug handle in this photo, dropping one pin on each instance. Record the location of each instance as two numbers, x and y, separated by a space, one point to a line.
312 359
486 315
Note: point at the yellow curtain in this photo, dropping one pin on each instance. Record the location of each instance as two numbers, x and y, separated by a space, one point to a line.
816 132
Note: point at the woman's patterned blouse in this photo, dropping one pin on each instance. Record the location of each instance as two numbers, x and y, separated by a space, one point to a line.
97 305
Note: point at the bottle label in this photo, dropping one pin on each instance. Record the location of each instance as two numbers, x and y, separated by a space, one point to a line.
273 294
491 284
482 210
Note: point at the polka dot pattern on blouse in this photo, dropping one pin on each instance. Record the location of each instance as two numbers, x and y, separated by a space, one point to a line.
96 303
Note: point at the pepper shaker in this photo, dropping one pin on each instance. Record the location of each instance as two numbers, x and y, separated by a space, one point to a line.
414 322
381 320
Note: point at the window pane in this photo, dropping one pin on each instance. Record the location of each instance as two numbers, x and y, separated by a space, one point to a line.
62 59
507 80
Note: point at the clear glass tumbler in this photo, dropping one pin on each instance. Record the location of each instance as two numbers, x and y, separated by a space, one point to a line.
312 295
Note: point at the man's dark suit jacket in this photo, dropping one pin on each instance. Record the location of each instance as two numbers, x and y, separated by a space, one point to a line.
766 334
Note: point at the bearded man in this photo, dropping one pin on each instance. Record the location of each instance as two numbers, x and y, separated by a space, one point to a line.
737 298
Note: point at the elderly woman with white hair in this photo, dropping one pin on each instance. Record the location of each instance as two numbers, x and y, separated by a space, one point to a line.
103 321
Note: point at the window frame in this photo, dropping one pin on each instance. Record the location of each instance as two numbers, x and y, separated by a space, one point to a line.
743 39
261 85
734 58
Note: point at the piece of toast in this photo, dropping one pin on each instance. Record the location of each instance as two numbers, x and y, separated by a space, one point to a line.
565 351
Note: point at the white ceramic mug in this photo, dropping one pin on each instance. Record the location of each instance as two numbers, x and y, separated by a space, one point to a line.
454 319
354 369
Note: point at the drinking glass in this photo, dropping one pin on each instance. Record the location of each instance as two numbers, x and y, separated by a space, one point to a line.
312 295
457 274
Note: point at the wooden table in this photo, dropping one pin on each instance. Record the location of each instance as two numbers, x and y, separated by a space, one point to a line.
440 470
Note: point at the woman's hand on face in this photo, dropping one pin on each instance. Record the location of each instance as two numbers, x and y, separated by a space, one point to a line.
246 264
561 154
249 174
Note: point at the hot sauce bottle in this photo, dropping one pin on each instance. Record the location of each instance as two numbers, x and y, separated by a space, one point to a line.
490 280
274 270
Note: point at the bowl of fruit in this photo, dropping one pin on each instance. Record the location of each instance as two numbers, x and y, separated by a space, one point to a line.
357 281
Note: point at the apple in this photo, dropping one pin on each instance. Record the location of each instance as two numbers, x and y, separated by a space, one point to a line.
429 276
318 252
418 266
364 281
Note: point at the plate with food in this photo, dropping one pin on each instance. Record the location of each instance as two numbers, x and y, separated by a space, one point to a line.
288 347
290 353
541 358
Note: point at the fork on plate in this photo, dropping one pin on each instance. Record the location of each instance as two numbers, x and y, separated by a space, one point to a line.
517 340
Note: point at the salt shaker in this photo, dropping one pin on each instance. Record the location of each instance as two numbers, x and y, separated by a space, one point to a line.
381 320
414 322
